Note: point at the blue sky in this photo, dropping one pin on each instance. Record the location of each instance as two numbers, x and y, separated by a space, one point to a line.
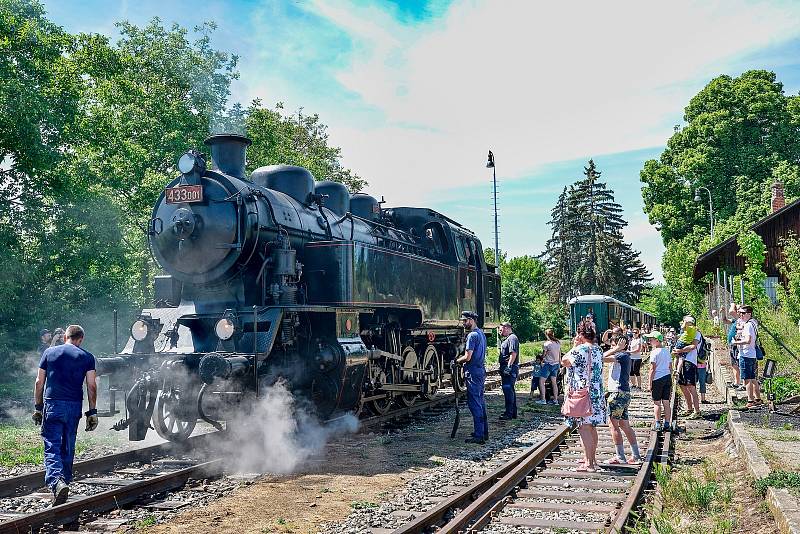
415 92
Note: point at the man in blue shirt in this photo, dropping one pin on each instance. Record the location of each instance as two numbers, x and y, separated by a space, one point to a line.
58 398
509 369
474 359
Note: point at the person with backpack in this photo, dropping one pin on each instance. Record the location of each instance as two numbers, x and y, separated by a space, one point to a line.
687 367
702 368
749 350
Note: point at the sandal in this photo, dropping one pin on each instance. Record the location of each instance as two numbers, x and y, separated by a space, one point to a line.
616 460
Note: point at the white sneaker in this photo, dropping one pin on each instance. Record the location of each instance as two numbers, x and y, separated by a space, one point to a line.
540 401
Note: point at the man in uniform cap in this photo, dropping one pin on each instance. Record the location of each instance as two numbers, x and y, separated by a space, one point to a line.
509 369
474 359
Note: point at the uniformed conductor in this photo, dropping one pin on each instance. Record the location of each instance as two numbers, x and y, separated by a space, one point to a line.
474 359
58 399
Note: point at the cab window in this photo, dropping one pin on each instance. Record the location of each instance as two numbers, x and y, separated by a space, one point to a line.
460 249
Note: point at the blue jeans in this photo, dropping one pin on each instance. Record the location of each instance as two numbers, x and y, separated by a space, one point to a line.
509 392
59 431
477 404
701 378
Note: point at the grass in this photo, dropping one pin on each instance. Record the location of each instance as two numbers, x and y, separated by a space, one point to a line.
148 521
722 421
528 351
778 479
362 505
705 499
21 444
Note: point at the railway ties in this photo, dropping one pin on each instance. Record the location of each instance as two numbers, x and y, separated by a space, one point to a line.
541 490
142 477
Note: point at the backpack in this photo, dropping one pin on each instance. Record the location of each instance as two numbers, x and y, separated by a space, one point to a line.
759 348
702 350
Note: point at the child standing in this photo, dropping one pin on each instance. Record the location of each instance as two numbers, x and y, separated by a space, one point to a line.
660 381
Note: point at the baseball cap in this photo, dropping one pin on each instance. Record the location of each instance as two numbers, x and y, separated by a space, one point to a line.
43 331
506 324
469 315
688 319
655 334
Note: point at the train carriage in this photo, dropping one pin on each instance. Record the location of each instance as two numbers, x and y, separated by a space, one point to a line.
608 312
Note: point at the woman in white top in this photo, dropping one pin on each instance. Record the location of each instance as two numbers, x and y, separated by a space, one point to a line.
636 360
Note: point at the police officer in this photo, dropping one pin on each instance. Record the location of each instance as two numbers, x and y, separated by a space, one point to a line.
474 359
509 369
44 340
58 399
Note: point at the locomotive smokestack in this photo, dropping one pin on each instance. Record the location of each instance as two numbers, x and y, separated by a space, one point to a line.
228 153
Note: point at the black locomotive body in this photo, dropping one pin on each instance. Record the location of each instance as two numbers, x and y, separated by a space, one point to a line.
278 277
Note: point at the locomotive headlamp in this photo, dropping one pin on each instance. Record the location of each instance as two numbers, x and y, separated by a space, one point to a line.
225 328
139 330
187 163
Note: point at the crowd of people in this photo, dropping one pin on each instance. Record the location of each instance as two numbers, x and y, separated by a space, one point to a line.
675 356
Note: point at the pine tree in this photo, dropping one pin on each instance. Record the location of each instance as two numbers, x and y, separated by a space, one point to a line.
587 253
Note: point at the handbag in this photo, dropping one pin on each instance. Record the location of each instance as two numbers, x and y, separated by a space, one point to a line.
577 403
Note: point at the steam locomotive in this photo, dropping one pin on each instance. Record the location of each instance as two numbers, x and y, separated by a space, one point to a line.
274 276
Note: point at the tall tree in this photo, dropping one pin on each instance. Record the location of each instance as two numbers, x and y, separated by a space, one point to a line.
587 253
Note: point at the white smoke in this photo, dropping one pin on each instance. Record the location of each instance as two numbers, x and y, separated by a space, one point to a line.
279 434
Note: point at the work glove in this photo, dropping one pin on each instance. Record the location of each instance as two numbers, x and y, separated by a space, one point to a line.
91 420
37 415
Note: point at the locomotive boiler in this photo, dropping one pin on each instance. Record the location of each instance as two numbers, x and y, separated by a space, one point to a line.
274 276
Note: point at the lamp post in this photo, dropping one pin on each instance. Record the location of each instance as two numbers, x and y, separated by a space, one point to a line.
490 165
710 206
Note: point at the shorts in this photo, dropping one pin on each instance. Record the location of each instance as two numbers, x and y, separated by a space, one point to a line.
618 403
661 389
734 356
687 375
636 367
748 368
548 370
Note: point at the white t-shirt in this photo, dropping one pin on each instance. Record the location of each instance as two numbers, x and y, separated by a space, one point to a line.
636 348
660 359
692 356
749 350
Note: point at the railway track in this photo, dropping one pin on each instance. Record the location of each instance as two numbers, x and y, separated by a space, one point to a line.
123 479
540 490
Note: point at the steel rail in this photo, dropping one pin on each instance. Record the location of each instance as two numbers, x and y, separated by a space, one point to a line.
658 442
490 499
108 500
21 484
480 486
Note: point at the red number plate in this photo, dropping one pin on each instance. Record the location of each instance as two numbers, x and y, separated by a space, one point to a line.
184 193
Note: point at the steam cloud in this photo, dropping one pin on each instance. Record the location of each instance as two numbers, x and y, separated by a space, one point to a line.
280 434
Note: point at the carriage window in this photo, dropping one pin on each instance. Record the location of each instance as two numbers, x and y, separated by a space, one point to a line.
469 252
613 311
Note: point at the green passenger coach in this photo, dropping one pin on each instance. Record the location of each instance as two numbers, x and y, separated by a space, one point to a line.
608 312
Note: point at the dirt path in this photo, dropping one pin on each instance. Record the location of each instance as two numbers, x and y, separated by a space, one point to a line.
355 471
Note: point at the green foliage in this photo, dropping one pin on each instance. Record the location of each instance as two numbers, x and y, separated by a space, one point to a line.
90 131
740 136
752 249
296 140
778 479
586 253
663 302
789 296
785 387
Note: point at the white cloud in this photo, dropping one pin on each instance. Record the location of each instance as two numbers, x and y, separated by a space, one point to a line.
538 82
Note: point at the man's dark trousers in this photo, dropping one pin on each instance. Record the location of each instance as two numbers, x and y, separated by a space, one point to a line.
477 404
59 430
510 394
